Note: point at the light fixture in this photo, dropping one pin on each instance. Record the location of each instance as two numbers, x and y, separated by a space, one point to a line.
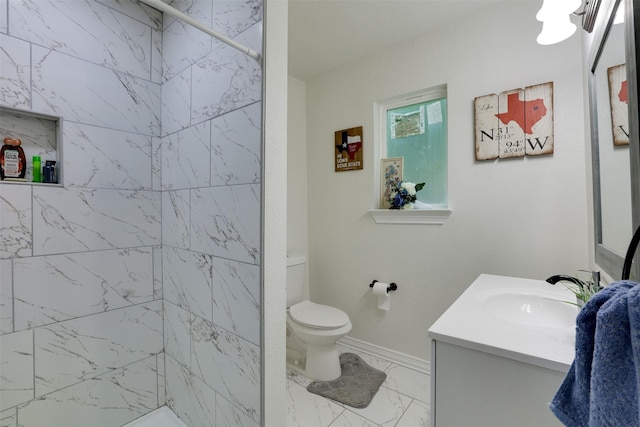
556 30
554 8
556 22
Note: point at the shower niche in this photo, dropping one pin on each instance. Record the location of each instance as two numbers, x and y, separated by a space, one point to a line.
41 135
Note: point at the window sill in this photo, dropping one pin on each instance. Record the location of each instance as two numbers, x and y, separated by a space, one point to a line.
410 216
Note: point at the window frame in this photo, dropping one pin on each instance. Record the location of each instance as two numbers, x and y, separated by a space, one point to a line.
398 216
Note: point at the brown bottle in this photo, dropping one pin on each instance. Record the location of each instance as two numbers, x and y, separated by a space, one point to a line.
13 163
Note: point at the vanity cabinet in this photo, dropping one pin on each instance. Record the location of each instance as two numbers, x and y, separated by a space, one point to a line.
500 353
473 388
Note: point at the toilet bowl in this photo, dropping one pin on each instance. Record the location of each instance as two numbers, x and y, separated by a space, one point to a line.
318 327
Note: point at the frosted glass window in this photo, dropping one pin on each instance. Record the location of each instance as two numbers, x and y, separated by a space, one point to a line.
418 133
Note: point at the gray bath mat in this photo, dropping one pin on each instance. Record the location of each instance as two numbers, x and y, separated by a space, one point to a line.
356 386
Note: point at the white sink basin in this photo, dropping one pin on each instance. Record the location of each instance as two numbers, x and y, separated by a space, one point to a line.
531 310
520 319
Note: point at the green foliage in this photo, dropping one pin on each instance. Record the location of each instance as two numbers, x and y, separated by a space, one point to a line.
585 292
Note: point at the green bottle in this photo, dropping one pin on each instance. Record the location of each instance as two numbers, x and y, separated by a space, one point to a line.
37 177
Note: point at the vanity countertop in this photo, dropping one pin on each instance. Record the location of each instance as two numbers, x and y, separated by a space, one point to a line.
520 319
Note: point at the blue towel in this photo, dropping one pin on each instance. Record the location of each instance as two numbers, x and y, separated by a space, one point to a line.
601 387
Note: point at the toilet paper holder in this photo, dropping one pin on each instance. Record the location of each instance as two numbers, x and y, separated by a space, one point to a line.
392 286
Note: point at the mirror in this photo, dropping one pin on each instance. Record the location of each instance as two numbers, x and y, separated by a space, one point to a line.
614 149
615 179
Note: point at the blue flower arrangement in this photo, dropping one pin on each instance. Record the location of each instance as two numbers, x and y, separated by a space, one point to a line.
404 194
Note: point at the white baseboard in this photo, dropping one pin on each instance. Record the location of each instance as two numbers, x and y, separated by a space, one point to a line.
412 362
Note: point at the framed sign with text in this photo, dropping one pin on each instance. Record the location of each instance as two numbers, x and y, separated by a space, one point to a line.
348 149
515 123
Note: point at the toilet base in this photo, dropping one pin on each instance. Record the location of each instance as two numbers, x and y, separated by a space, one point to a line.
322 356
323 362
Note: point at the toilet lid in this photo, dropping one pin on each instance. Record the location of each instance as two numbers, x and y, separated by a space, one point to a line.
314 315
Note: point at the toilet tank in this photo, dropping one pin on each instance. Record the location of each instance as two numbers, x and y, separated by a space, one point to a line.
295 278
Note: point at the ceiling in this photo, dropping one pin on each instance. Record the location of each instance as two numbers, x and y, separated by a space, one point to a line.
325 34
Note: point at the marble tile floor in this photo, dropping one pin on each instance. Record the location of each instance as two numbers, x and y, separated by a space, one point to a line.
402 401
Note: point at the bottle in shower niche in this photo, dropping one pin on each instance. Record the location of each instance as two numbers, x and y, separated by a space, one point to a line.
37 171
49 172
13 163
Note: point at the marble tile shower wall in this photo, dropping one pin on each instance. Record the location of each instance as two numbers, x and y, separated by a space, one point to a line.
161 184
81 314
211 160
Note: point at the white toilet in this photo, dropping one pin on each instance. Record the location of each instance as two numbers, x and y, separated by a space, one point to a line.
317 327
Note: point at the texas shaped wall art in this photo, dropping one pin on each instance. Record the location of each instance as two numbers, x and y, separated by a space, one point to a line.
619 98
514 123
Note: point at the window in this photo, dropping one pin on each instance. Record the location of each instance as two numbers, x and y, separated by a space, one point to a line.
414 127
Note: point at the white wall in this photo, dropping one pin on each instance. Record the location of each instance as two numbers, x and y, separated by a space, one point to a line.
297 185
274 216
297 223
524 217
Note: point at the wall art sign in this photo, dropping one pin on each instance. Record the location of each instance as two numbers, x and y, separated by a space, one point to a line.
348 149
619 99
390 176
514 123
408 124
